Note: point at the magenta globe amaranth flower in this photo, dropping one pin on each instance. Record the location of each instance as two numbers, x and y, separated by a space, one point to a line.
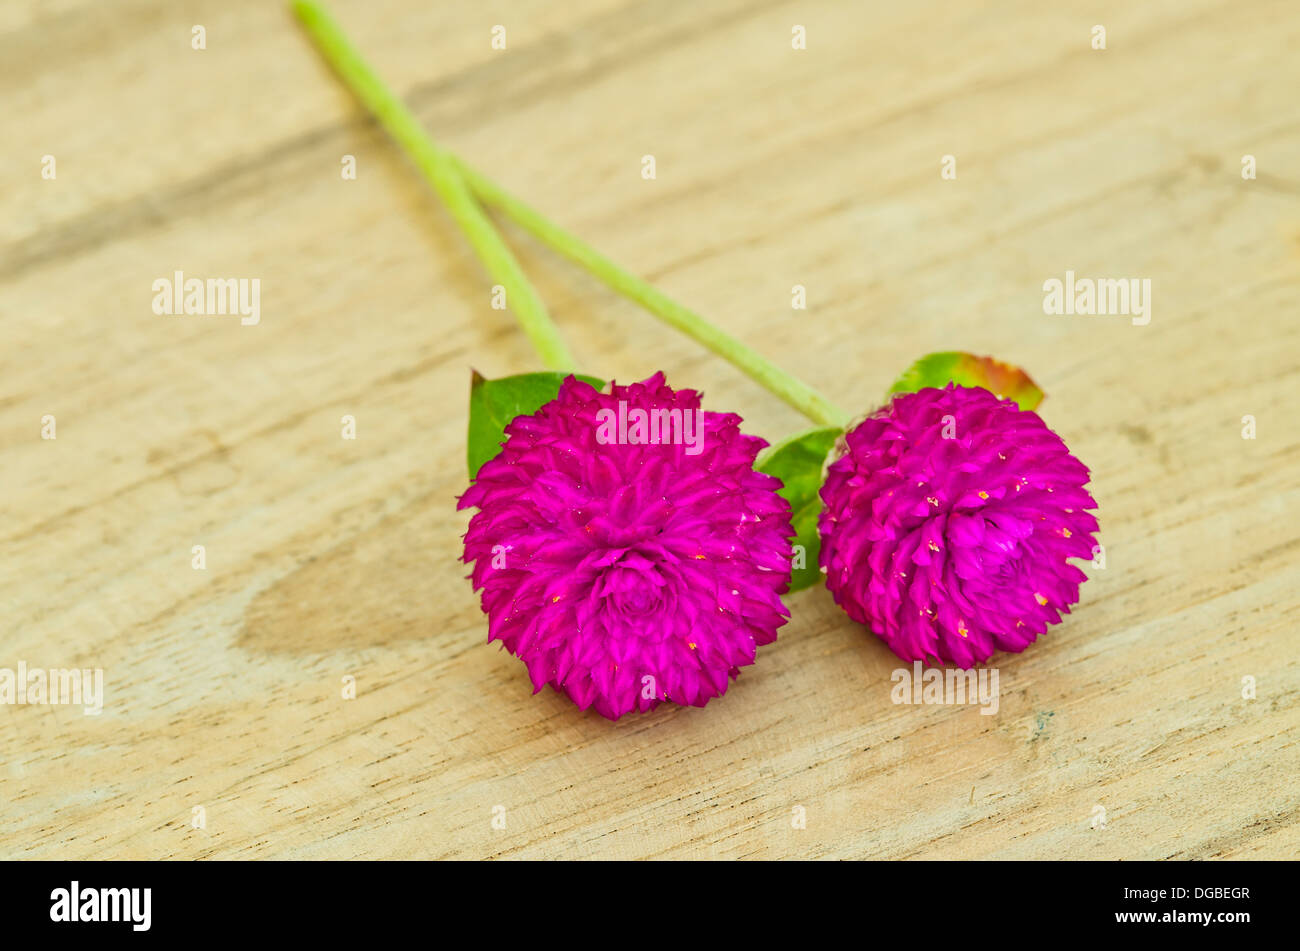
625 548
948 524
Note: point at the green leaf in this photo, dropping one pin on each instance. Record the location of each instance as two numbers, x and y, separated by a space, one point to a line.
494 403
965 369
798 462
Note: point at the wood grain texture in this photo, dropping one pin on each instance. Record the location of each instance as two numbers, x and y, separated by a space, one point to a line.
776 167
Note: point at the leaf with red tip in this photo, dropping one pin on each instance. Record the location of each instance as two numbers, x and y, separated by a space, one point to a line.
965 369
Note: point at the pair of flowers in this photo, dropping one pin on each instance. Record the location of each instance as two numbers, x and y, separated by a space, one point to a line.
628 573
625 576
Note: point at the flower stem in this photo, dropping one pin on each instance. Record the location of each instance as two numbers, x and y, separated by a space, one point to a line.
458 184
794 391
439 170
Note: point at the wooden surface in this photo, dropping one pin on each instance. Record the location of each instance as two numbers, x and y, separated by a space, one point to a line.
775 167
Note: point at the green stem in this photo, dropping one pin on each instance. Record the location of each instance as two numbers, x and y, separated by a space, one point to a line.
438 169
794 391
458 184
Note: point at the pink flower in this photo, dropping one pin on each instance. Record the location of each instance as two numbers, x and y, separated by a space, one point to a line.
622 571
948 523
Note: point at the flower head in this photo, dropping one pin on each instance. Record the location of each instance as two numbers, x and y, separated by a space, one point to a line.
626 549
948 523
